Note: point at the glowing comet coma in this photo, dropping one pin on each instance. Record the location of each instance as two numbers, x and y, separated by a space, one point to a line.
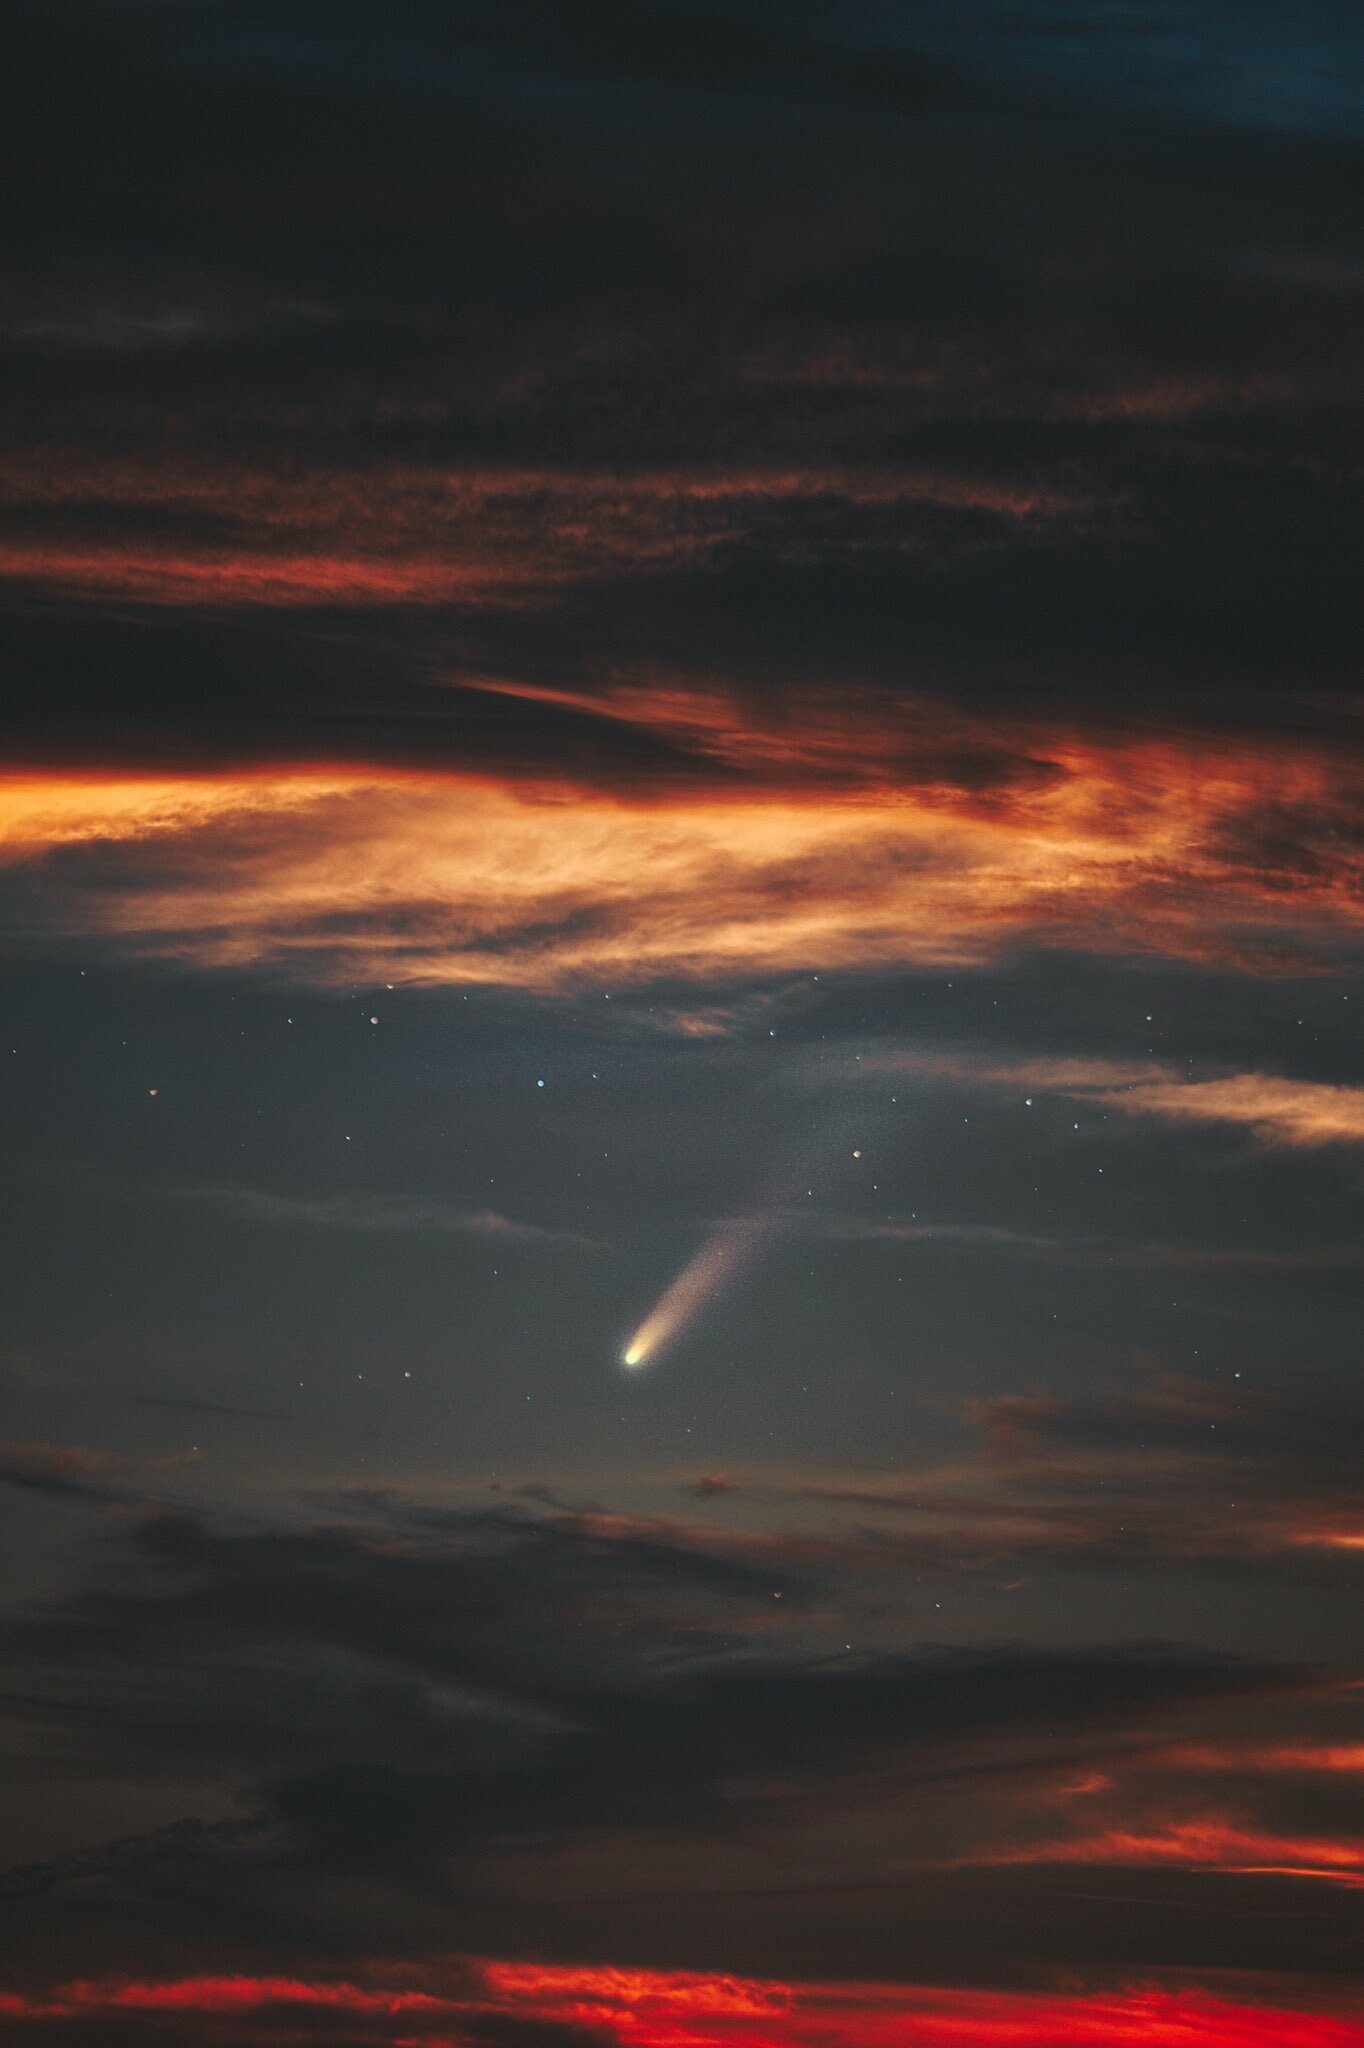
706 1274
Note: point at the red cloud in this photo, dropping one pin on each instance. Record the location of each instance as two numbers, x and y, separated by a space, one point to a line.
427 536
687 2009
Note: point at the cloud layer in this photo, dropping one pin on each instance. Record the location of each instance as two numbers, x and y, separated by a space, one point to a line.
960 851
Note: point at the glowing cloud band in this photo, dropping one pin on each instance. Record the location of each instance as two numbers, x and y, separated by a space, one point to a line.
857 843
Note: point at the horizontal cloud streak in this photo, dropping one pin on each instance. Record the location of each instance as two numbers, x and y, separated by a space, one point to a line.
475 2001
1278 1110
1215 1844
895 846
374 1212
444 536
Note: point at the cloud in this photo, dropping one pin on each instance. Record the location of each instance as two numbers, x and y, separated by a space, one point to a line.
1212 1843
1182 1474
185 1840
70 1469
424 1589
187 1404
710 1485
520 2004
605 1603
416 537
987 1236
374 1212
1277 1109
952 854
48 1468
1254 1263
391 1754
472 392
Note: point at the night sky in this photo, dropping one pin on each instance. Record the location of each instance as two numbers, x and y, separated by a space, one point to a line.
682 1115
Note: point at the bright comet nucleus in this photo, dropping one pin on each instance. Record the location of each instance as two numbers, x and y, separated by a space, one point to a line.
706 1274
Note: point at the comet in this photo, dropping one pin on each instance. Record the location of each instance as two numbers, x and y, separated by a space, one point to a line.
734 1245
706 1274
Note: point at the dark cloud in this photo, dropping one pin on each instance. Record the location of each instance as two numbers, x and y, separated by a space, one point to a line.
605 1675
671 1755
420 1710
1177 1411
284 2012
184 1841
185 1404
708 1485
62 1469
1206 1475
431 269
402 1698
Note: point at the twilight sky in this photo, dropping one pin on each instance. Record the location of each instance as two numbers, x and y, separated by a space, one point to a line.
681 680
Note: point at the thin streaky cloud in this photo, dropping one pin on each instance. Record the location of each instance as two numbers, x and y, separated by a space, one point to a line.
1277 1108
1250 1262
376 1213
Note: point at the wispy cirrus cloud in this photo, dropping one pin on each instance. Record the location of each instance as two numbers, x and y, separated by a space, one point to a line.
224 535
1262 1263
1276 1108
377 1212
1203 1842
1176 1475
921 841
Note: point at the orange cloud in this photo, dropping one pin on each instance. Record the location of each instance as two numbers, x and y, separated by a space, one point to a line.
926 843
251 577
1209 1843
688 2009
1346 1757
1277 1109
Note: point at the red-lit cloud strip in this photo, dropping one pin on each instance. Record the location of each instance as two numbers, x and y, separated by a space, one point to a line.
1210 1843
416 536
681 2009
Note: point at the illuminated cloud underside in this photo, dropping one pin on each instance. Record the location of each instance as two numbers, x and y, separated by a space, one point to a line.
675 2009
1277 1109
344 873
